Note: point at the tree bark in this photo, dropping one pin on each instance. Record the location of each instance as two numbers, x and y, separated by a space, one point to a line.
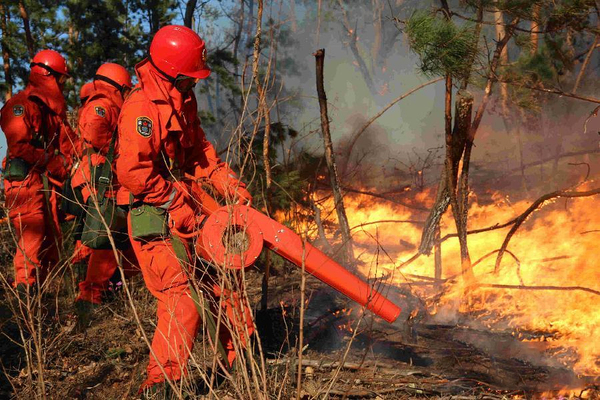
5 51
462 132
348 254
190 7
28 37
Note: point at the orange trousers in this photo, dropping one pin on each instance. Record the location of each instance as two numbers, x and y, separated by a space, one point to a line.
36 228
178 319
101 267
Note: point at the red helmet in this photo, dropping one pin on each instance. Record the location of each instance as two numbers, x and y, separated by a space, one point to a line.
46 62
178 50
114 74
86 90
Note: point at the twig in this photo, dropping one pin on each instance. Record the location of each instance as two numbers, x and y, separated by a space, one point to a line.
380 113
525 287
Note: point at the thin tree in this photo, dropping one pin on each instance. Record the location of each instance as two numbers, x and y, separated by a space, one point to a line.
5 51
348 253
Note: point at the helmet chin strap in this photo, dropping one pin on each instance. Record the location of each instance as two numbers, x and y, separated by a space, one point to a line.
103 78
163 73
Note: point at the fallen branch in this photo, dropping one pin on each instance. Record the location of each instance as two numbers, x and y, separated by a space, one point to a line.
525 287
389 221
382 196
347 365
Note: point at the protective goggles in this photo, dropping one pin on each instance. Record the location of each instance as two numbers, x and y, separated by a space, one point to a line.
60 78
185 83
182 83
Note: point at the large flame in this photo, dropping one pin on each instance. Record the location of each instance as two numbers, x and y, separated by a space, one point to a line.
557 248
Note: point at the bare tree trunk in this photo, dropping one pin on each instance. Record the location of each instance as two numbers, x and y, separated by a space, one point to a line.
511 123
443 196
462 132
438 258
348 253
353 40
535 27
190 7
28 37
5 52
377 42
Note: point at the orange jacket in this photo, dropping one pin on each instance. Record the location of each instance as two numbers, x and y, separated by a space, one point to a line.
34 122
159 128
97 122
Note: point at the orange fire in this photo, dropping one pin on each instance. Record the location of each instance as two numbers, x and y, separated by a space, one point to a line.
556 249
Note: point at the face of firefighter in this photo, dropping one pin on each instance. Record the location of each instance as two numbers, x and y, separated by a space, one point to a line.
185 83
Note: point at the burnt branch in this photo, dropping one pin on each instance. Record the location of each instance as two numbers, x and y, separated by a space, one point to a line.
536 204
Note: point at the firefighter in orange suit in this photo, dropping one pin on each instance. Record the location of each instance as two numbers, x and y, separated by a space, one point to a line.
160 139
40 146
97 122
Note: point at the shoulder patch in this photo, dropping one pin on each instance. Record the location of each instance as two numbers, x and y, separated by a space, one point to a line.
18 110
100 111
144 126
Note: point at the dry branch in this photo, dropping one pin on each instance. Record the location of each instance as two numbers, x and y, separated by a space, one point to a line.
521 218
330 159
362 130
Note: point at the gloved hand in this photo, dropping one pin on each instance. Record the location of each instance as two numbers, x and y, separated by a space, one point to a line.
58 167
181 215
229 186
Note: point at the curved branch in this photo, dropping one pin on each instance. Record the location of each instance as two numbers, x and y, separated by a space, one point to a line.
380 113
521 218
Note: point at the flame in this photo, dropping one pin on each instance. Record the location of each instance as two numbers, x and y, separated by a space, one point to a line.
555 249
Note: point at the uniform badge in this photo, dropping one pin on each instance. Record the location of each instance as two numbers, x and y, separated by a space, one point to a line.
18 110
100 111
144 126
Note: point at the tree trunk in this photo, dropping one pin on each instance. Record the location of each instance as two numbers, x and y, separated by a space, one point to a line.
535 27
5 51
348 254
28 37
190 7
460 208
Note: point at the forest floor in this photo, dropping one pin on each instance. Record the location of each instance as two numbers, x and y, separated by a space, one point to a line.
375 361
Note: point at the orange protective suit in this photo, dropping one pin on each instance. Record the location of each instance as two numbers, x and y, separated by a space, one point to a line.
97 121
158 129
34 122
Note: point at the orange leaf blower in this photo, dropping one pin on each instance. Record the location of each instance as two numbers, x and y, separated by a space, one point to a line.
234 236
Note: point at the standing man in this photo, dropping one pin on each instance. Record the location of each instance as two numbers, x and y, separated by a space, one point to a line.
97 124
40 144
160 142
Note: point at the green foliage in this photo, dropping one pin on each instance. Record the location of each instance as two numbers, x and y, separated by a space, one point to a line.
443 47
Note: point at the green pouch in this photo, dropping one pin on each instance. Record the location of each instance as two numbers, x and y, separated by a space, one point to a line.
16 169
72 200
148 222
95 234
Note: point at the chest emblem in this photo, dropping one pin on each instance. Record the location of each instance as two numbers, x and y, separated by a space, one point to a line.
144 126
100 111
18 110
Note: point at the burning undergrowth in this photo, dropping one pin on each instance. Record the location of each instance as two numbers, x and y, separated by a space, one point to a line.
543 295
